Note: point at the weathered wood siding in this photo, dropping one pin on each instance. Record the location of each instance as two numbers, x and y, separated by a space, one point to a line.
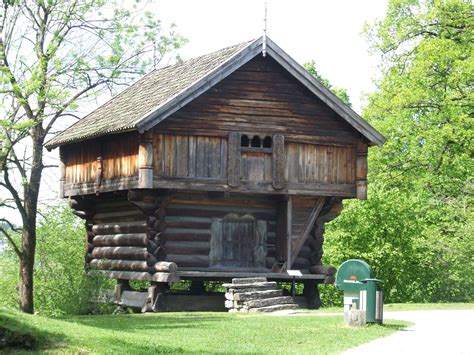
261 97
310 163
81 161
190 156
256 166
103 164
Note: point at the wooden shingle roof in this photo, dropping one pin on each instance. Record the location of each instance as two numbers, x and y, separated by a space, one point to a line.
164 91
124 111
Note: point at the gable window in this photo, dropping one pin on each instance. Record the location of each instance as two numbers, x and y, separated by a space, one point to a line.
256 143
244 141
267 142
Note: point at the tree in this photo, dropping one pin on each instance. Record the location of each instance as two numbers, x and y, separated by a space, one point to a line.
55 55
417 226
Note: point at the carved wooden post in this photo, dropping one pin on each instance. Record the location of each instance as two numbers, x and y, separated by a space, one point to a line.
361 171
145 161
98 178
62 172
278 162
233 164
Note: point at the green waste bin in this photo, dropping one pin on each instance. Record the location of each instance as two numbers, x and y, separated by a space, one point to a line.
356 279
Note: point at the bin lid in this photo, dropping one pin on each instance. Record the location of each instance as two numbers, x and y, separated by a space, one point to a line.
351 273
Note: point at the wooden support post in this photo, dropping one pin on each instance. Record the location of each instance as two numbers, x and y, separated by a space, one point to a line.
62 172
98 178
160 290
361 171
122 285
197 287
145 161
281 232
311 293
289 215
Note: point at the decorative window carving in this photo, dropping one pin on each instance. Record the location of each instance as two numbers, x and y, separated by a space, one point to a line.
256 143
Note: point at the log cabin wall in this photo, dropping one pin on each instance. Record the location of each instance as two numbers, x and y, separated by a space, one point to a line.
127 242
191 221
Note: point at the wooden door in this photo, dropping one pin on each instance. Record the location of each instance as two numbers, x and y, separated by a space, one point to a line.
238 241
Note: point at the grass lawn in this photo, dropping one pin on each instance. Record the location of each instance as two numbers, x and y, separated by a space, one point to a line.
194 333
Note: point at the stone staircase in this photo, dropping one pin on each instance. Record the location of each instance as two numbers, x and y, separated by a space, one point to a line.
256 294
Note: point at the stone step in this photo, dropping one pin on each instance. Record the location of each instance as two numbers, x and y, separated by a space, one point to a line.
274 301
255 285
248 280
244 296
279 307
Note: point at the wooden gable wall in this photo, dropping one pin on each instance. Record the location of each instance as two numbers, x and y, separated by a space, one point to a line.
261 97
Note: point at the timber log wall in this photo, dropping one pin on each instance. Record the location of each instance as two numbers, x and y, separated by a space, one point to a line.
182 229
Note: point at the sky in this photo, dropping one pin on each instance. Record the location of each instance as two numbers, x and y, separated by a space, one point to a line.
328 32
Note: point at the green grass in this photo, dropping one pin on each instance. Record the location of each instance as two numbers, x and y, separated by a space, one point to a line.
194 333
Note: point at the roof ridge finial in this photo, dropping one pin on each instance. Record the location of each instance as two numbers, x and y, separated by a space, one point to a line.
264 43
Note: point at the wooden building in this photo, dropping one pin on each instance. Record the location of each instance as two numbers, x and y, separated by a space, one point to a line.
222 166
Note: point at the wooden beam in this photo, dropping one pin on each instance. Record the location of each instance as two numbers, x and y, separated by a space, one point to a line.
318 206
361 171
289 215
145 161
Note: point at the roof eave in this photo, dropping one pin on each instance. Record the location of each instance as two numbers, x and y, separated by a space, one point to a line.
312 84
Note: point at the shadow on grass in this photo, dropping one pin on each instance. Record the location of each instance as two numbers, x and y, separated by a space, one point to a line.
137 322
117 333
19 334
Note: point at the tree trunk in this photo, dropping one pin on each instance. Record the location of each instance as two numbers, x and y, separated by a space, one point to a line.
27 261
28 240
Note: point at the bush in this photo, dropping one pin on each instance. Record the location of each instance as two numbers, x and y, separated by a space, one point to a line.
419 248
61 285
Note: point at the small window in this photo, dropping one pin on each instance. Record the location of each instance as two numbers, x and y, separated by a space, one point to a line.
244 141
256 142
267 142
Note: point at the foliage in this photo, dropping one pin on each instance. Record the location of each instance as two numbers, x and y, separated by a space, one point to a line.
416 227
339 92
62 286
197 333
55 56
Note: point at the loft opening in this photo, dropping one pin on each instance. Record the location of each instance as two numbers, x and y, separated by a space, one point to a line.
256 141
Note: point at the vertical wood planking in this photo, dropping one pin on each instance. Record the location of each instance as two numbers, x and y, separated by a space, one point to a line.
192 156
182 148
233 162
